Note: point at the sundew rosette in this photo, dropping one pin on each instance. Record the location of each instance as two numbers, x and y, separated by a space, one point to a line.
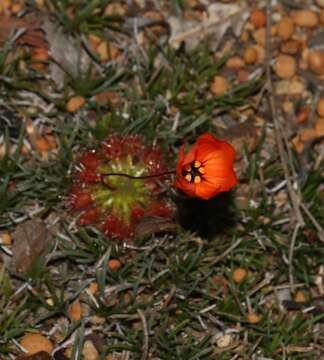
114 186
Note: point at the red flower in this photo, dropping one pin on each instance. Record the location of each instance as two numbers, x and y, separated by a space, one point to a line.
207 169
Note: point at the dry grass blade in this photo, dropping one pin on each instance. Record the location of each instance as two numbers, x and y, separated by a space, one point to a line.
295 201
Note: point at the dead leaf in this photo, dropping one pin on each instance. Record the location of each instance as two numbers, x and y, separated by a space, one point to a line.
42 355
31 239
219 18
68 55
33 34
150 225
242 136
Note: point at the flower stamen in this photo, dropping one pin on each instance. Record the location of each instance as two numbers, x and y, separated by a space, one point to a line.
192 172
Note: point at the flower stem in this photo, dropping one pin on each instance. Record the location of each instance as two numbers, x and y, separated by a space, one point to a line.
143 177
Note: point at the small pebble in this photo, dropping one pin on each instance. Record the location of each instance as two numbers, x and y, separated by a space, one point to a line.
307 134
103 51
320 107
235 62
303 114
224 341
219 86
38 56
305 18
34 343
5 238
242 76
50 301
258 18
253 318
115 9
75 311
316 61
320 3
94 40
114 264
259 36
239 275
75 103
287 87
319 127
89 351
321 17
93 288
300 297
285 28
285 66
290 47
42 145
250 55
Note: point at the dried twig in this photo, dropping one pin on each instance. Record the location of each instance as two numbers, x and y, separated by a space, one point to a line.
145 348
227 251
284 153
295 201
266 281
286 158
29 31
316 224
204 28
291 257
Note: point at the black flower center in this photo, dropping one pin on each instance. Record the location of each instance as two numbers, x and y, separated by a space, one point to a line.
193 172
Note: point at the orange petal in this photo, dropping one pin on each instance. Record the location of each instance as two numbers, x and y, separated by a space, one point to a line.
206 190
219 169
218 149
185 186
222 183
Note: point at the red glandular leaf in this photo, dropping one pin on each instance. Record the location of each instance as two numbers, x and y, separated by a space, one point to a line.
160 209
112 147
117 228
90 160
133 146
89 176
80 200
153 158
137 214
116 146
90 216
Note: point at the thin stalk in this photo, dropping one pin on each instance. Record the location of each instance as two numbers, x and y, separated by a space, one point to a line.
143 177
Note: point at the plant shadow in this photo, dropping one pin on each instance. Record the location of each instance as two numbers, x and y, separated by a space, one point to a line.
206 217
